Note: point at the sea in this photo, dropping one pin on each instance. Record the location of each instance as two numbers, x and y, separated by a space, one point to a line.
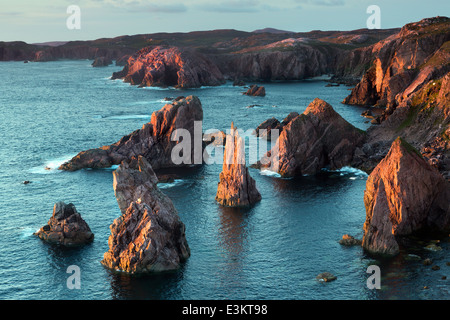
274 250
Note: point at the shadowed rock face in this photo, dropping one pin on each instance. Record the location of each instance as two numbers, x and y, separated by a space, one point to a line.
265 128
316 139
66 227
153 140
162 67
236 187
403 195
149 236
101 62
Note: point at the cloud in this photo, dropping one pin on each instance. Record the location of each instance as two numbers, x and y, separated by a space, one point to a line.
230 6
328 3
147 6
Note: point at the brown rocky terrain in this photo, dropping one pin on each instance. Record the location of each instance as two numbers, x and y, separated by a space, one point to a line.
404 195
172 66
149 235
236 187
256 91
66 227
153 140
316 139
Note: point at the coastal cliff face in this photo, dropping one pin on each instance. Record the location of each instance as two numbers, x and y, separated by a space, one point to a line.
162 67
403 63
404 195
316 139
153 140
236 187
149 236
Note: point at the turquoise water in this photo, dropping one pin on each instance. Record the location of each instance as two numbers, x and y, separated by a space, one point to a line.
52 110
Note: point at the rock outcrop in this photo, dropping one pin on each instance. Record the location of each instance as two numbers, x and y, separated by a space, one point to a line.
236 187
101 62
153 140
402 63
162 67
316 139
256 91
66 227
149 235
265 128
404 196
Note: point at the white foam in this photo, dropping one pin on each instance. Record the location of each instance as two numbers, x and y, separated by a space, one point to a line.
52 165
355 173
166 185
270 173
129 116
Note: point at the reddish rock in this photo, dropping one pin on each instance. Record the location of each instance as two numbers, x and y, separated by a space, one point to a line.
403 63
149 236
153 141
66 227
256 91
236 187
316 139
404 195
172 66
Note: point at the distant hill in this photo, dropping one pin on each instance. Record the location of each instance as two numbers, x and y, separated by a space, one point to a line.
51 43
271 30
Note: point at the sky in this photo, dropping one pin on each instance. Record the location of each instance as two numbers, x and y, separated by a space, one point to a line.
35 21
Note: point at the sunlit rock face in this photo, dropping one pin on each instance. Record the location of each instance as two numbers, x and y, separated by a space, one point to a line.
153 141
404 195
66 227
316 139
403 63
149 235
236 187
170 66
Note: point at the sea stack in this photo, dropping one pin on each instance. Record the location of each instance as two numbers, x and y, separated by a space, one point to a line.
256 91
148 236
236 187
66 227
154 140
404 195
316 139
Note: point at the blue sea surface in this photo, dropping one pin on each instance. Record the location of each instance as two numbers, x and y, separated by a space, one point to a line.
52 110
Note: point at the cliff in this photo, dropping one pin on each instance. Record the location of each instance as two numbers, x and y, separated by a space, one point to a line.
171 66
404 196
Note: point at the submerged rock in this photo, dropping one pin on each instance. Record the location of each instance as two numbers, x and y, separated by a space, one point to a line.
348 240
316 139
404 195
102 62
236 187
149 236
326 277
153 140
66 227
256 91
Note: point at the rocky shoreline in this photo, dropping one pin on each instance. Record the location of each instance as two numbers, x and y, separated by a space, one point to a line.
406 152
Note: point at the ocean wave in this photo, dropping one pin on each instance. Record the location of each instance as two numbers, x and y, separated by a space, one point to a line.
353 172
270 173
52 165
166 185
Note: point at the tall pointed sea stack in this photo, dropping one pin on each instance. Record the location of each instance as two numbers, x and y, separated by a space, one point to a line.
149 236
236 187
404 195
